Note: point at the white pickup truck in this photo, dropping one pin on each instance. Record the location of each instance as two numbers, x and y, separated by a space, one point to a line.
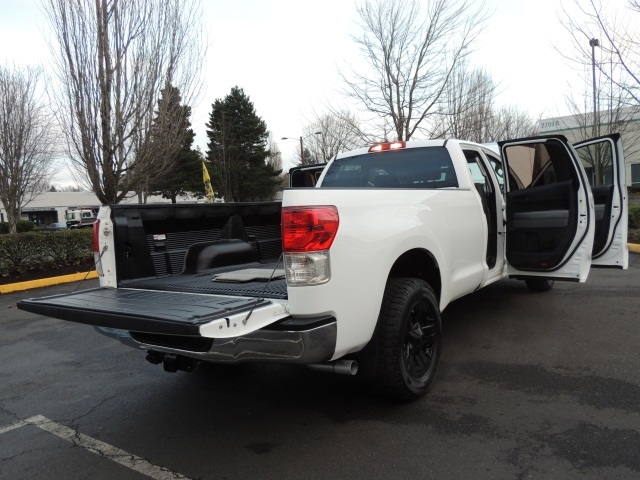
351 271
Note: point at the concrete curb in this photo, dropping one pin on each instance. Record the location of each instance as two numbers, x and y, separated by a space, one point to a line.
634 247
47 282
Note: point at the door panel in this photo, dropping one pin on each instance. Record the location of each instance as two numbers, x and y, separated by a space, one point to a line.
541 225
602 199
549 210
603 159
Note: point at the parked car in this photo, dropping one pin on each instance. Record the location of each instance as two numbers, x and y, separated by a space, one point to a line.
55 226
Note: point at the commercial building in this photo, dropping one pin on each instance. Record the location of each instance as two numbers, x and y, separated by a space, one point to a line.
579 127
50 207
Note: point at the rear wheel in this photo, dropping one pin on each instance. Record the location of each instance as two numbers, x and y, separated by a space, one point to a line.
539 284
408 339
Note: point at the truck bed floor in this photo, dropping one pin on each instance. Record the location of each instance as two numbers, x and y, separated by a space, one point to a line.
203 283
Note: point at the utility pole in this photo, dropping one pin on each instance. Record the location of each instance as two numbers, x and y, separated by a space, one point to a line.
594 43
598 158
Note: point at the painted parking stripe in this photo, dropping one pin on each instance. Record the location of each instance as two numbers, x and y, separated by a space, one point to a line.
105 450
8 428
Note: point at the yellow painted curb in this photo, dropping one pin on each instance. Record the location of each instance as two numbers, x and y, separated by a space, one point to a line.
634 247
47 282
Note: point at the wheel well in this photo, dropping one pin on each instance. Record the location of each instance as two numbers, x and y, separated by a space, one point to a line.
418 263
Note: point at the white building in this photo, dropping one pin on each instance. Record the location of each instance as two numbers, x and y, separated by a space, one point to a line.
50 207
574 126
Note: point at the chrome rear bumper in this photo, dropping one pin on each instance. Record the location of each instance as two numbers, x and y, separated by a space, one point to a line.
298 341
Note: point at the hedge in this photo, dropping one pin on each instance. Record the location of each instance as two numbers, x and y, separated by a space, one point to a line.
44 250
634 215
21 226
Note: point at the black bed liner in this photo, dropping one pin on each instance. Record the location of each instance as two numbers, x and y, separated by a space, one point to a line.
203 283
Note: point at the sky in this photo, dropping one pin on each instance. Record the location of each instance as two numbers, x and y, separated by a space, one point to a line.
285 54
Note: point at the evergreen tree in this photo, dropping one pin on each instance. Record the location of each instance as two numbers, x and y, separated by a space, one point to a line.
237 150
185 172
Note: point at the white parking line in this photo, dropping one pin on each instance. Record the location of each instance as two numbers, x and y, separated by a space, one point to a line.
105 450
8 428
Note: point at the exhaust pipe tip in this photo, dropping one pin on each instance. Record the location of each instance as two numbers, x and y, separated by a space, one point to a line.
155 358
341 367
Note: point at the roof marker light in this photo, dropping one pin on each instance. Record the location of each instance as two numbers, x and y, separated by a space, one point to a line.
382 147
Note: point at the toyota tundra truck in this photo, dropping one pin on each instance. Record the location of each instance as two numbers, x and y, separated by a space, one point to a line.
350 272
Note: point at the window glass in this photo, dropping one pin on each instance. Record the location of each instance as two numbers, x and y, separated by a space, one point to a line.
428 167
537 164
478 173
496 164
596 160
635 174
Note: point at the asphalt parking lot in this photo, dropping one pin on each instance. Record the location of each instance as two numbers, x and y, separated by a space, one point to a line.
530 386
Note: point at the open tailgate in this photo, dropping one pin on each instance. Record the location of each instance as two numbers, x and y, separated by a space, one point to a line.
162 312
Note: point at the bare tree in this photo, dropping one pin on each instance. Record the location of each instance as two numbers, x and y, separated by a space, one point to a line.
113 58
619 40
275 155
613 86
467 105
26 140
468 110
410 57
510 122
613 116
70 188
339 130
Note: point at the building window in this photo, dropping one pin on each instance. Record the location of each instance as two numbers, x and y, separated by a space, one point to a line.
635 174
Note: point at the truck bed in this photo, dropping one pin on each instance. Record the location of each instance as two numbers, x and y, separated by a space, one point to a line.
204 283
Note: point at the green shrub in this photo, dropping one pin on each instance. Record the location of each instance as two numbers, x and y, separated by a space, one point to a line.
4 228
18 252
37 250
24 226
634 215
67 247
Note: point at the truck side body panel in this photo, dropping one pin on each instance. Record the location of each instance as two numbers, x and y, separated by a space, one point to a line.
395 222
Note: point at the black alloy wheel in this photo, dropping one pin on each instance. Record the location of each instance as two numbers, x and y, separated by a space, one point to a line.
407 339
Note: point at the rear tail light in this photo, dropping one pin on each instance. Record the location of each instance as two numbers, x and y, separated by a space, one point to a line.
308 229
96 247
307 236
96 235
304 269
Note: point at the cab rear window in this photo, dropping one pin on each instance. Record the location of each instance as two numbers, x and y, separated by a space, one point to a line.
427 167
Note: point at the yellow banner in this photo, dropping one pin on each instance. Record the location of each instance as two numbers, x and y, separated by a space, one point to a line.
207 184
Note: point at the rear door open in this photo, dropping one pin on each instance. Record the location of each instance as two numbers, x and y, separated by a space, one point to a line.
603 161
550 214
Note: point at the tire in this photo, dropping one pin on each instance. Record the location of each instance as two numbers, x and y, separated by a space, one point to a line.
408 340
539 284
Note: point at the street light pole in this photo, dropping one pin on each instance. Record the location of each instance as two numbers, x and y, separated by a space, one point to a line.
594 43
301 151
301 144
